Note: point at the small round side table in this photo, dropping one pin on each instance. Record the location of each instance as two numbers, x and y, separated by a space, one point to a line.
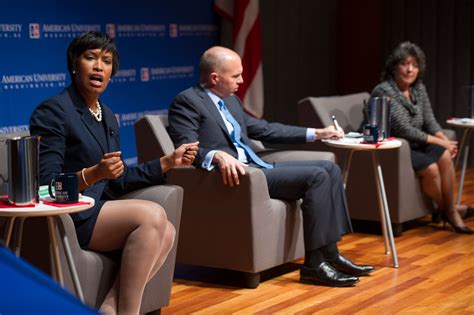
355 145
468 125
52 214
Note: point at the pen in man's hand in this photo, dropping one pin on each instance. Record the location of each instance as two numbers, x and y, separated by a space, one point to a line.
336 125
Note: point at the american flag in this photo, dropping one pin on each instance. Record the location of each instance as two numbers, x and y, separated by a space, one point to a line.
244 15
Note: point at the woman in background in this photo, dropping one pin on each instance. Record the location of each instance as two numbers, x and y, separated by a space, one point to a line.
80 134
412 119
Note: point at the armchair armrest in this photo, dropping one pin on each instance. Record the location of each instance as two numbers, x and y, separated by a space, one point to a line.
450 133
296 155
200 180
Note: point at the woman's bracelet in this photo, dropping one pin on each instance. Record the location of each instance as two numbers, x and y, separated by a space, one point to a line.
84 177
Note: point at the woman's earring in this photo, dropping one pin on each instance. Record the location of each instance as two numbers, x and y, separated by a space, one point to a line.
73 71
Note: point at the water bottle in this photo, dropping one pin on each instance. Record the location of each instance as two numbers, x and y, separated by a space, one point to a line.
23 170
379 115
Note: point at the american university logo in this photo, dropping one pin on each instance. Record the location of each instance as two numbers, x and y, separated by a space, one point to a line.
59 186
34 31
173 30
14 129
140 30
191 30
125 76
32 80
172 72
129 119
10 30
60 30
110 30
166 73
145 74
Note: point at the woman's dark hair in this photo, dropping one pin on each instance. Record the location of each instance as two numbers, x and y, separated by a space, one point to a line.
91 40
402 51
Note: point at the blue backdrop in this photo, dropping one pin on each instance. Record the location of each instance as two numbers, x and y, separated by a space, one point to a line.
159 42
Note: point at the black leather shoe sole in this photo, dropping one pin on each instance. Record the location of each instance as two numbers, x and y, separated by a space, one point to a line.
326 284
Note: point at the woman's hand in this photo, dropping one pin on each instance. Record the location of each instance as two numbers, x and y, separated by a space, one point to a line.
442 140
110 166
184 155
452 147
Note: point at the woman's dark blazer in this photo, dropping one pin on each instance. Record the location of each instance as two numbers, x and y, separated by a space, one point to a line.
69 142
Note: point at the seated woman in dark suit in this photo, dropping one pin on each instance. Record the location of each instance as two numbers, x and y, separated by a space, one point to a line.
412 119
80 134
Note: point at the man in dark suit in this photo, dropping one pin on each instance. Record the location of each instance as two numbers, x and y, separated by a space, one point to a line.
211 114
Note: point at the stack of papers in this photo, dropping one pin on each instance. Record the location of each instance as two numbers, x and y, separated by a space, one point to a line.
464 121
345 140
353 134
351 140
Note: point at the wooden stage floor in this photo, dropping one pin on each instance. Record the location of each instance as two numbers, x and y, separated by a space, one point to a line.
436 276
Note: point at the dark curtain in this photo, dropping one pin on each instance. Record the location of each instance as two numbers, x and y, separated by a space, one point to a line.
322 48
299 40
444 30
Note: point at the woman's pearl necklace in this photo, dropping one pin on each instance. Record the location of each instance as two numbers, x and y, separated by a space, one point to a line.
98 113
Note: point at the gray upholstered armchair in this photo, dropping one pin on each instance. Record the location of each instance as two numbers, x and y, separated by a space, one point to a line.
97 271
236 228
405 198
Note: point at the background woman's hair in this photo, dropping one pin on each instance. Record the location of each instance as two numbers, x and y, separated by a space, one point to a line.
91 40
402 51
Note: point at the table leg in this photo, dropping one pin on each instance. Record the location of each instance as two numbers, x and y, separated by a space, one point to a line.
70 260
18 236
58 274
461 145
385 213
347 167
464 147
383 219
9 230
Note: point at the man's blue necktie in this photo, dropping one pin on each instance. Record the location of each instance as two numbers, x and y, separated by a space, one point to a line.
235 136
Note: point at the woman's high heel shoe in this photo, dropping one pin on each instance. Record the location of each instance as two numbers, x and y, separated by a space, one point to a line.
435 217
469 213
457 229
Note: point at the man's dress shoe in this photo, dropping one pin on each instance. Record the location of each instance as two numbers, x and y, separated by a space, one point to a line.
346 266
325 274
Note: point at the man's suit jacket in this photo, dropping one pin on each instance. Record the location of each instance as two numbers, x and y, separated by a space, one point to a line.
193 116
69 142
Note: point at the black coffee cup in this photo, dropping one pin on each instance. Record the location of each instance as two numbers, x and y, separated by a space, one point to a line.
371 133
65 187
